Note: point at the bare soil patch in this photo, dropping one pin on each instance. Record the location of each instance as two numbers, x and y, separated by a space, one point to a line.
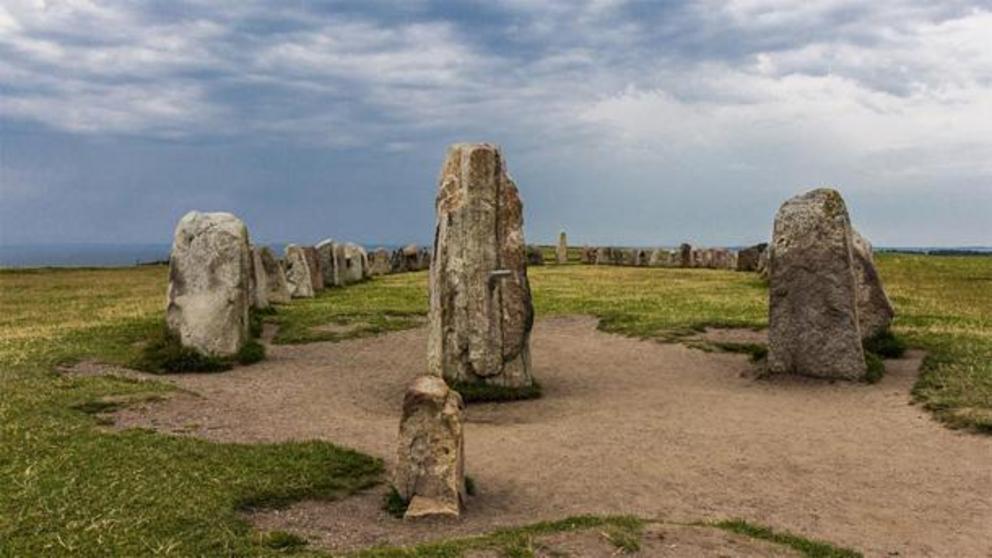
733 335
625 427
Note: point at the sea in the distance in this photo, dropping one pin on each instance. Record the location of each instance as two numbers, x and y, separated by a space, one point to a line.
99 255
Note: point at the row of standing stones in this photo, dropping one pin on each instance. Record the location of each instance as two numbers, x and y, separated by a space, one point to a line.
825 297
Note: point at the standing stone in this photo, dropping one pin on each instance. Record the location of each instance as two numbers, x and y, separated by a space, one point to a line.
561 252
275 277
430 464
660 258
763 260
875 312
747 259
603 256
685 255
354 263
379 262
313 263
259 291
587 255
813 315
298 276
209 273
480 304
535 256
329 264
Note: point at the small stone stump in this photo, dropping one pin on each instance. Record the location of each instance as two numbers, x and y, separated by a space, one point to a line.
209 274
813 315
430 464
480 303
561 251
298 276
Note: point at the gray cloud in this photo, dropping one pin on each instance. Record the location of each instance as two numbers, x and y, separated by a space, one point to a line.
629 121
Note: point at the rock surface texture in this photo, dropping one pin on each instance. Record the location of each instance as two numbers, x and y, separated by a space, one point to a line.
561 251
258 291
354 263
747 259
480 303
298 276
329 264
275 276
875 312
209 275
313 263
380 262
813 309
430 464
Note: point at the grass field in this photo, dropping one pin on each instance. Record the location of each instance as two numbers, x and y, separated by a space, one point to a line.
66 487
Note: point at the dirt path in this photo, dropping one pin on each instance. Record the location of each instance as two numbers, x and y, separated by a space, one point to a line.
625 427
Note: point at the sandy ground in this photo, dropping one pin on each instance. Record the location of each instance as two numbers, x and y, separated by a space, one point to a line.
625 427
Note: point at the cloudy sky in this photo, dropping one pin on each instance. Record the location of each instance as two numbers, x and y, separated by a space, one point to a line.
623 122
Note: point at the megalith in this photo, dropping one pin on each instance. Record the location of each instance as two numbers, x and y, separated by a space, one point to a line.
209 274
430 461
561 251
313 264
813 309
480 303
259 282
354 263
587 255
380 262
747 259
685 255
275 276
603 255
329 264
298 276
875 312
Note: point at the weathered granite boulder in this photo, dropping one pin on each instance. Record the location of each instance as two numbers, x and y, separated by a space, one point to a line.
430 463
535 256
480 303
354 268
604 255
275 276
209 274
747 259
298 276
875 312
313 263
643 258
685 255
258 285
329 263
813 315
561 251
379 262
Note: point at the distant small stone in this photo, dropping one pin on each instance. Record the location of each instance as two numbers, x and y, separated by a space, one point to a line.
298 275
380 262
561 251
748 258
535 256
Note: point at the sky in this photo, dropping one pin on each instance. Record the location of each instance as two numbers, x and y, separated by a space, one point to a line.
622 122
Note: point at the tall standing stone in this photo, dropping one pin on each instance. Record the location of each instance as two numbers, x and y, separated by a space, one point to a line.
685 255
313 263
275 276
480 304
298 276
430 464
259 284
875 312
813 316
561 251
329 264
209 274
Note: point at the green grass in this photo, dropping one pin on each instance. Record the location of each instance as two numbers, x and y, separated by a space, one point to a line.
807 547
394 504
485 393
69 487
